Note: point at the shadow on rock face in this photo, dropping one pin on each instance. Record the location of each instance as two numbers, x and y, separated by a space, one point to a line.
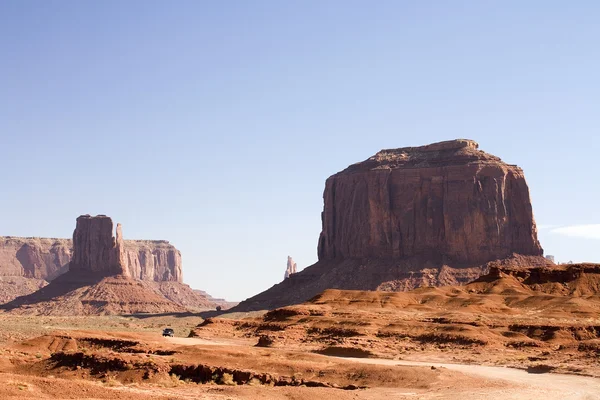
337 351
60 286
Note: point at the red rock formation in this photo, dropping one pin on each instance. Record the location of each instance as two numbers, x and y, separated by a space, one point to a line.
47 258
95 249
415 216
106 275
153 260
98 281
291 268
81 292
39 258
12 287
224 304
193 300
447 200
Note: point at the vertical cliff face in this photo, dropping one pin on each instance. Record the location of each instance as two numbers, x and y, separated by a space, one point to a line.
415 216
290 268
95 249
38 258
447 201
46 259
155 260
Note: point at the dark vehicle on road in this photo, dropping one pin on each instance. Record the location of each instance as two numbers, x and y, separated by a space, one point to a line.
168 332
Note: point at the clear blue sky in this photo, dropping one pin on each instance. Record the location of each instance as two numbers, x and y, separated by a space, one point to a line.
215 124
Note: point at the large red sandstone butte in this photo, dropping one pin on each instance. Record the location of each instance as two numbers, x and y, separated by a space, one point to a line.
96 249
416 216
447 200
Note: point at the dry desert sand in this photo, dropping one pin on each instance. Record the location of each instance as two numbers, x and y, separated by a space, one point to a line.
499 337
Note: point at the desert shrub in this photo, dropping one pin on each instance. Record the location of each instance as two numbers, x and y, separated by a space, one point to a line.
254 382
111 381
226 379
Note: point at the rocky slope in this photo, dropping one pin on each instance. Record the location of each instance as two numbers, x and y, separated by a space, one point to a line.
537 318
415 216
12 287
216 301
191 299
84 293
153 260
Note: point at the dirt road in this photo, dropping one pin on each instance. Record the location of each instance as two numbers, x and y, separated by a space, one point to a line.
505 383
523 385
194 341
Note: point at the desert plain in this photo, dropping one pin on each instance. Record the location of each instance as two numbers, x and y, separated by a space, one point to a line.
506 335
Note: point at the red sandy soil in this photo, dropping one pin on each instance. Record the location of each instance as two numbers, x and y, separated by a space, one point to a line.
431 343
539 319
129 365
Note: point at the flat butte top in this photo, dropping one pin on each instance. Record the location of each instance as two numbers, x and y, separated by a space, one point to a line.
448 153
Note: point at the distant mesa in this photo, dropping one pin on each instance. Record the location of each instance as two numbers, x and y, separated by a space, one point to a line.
47 258
105 274
33 262
415 216
217 302
290 268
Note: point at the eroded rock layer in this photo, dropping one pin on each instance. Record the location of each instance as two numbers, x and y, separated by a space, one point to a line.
40 258
416 216
447 200
105 274
46 258
153 260
81 292
95 249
